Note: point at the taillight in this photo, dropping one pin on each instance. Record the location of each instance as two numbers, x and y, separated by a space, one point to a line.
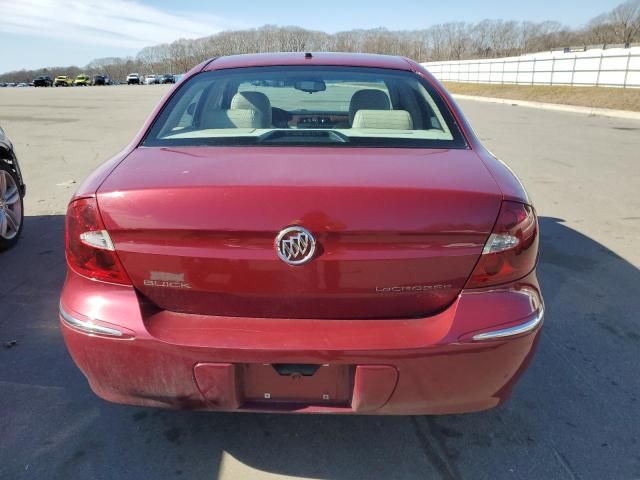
89 249
512 248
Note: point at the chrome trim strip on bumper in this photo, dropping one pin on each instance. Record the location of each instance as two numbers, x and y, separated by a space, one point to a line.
525 327
87 325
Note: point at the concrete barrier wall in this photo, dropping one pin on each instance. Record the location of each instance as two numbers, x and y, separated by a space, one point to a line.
615 67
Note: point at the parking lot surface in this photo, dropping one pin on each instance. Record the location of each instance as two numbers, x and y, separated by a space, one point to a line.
574 415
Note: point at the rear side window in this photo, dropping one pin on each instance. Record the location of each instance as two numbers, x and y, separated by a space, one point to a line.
300 105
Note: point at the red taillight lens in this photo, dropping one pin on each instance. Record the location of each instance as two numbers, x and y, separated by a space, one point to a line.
88 246
511 251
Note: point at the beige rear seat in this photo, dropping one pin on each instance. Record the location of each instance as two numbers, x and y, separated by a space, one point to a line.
383 119
368 99
253 101
248 110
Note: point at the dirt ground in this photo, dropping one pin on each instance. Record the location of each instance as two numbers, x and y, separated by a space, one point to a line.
593 97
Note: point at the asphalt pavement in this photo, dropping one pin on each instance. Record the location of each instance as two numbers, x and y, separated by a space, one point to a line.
574 415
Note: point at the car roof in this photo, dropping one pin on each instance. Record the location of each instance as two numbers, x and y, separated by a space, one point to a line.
300 58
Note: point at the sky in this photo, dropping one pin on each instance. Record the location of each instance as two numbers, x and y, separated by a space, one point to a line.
36 33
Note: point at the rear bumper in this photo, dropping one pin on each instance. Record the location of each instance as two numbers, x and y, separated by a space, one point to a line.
445 363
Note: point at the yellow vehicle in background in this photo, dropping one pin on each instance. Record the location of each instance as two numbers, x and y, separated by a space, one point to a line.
62 81
82 80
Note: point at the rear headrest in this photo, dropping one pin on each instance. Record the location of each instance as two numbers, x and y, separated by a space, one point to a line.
253 101
369 99
383 119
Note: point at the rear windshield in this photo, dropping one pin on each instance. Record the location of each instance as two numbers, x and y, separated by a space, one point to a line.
300 105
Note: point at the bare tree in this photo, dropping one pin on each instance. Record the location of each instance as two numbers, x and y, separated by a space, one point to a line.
449 41
625 21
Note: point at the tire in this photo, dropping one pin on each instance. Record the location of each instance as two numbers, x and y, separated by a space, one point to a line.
8 235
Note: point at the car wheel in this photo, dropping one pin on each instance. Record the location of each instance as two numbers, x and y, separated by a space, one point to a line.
11 211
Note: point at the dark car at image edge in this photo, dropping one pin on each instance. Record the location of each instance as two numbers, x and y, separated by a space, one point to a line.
12 192
303 233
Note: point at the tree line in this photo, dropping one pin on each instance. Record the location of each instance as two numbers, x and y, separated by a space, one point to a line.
448 41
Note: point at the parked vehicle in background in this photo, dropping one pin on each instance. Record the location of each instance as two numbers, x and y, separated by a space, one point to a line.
62 81
99 80
133 79
152 79
3 85
82 80
12 191
11 84
178 78
167 78
23 84
43 81
393 272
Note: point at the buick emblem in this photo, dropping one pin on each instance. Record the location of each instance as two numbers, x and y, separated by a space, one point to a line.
295 245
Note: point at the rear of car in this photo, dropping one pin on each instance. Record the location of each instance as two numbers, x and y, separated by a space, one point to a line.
82 80
62 81
43 81
309 234
151 79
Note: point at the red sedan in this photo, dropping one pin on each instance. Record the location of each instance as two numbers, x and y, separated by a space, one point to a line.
303 233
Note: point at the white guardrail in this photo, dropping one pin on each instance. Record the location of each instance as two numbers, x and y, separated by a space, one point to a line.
615 67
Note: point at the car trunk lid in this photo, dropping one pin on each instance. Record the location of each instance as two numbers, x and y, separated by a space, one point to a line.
398 231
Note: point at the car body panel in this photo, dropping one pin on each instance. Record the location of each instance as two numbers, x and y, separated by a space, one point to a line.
92 182
325 59
510 186
438 373
381 224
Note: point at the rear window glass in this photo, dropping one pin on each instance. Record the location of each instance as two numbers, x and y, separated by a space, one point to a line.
299 105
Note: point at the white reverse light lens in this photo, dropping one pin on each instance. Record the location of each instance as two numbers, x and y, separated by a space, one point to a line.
499 242
97 239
